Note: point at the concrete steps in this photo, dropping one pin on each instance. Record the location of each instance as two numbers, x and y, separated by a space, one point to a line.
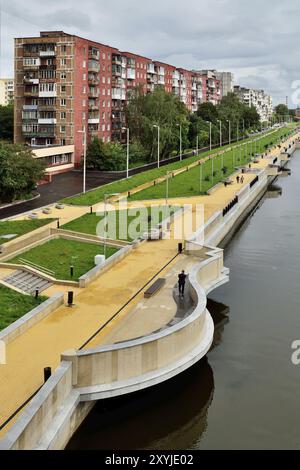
27 282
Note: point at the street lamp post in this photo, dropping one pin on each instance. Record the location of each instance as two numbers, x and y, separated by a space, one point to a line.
128 144
210 134
229 130
158 143
84 157
220 132
180 139
243 129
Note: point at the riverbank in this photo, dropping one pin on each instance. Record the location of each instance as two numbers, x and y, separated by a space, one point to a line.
228 193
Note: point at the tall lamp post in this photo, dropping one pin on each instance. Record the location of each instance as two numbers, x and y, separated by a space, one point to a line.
84 156
229 130
220 132
158 143
210 134
243 129
128 144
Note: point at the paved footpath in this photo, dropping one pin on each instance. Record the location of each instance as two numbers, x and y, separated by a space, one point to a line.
65 329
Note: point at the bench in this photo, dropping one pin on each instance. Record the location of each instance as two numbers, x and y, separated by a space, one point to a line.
154 288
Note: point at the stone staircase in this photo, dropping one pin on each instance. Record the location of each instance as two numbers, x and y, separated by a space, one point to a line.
27 282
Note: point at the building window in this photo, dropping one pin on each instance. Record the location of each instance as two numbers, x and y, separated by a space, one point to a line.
63 62
63 76
63 102
103 55
63 115
84 90
63 142
83 116
108 80
63 88
62 129
84 64
103 79
103 127
103 92
64 49
84 76
104 104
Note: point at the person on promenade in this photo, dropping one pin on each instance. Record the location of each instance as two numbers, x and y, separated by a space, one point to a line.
238 179
242 180
181 283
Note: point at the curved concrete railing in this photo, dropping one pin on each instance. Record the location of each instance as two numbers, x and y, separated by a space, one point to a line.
134 365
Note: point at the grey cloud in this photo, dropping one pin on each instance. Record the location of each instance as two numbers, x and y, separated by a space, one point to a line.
257 40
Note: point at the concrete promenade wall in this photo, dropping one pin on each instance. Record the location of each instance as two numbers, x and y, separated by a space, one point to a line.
86 376
31 318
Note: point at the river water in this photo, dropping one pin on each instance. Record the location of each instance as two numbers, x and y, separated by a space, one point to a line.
245 394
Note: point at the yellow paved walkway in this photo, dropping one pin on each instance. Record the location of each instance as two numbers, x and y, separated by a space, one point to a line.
65 329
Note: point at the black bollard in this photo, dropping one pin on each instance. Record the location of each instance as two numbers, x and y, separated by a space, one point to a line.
47 374
37 293
180 248
58 224
72 271
91 209
70 298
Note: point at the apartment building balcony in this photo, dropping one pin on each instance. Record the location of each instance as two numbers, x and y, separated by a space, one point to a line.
31 81
194 87
131 74
117 60
47 94
93 105
93 80
211 84
116 70
161 80
47 53
93 129
94 93
150 78
31 61
151 69
118 94
47 107
94 120
30 107
37 131
94 54
47 121
175 83
34 92
94 66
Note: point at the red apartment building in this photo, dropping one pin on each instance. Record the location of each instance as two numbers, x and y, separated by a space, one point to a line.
65 85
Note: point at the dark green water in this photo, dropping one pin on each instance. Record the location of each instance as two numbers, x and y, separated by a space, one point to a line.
246 393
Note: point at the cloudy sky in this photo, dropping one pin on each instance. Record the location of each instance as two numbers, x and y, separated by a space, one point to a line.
257 40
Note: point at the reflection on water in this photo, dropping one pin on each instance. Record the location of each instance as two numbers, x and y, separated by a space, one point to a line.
170 416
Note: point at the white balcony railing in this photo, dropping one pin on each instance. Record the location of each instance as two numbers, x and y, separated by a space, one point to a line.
49 53
131 74
94 121
47 121
47 94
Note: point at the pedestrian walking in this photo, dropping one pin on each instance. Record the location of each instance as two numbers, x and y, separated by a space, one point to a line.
238 179
181 283
242 180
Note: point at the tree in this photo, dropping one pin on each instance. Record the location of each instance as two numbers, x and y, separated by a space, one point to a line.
7 122
19 171
282 110
251 117
162 109
207 112
105 157
96 154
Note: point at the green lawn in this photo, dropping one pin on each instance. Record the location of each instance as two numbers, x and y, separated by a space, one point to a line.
59 254
20 227
193 183
89 222
97 195
14 305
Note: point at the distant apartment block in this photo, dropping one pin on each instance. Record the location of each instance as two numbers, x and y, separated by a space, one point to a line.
6 91
297 113
64 84
257 98
227 80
